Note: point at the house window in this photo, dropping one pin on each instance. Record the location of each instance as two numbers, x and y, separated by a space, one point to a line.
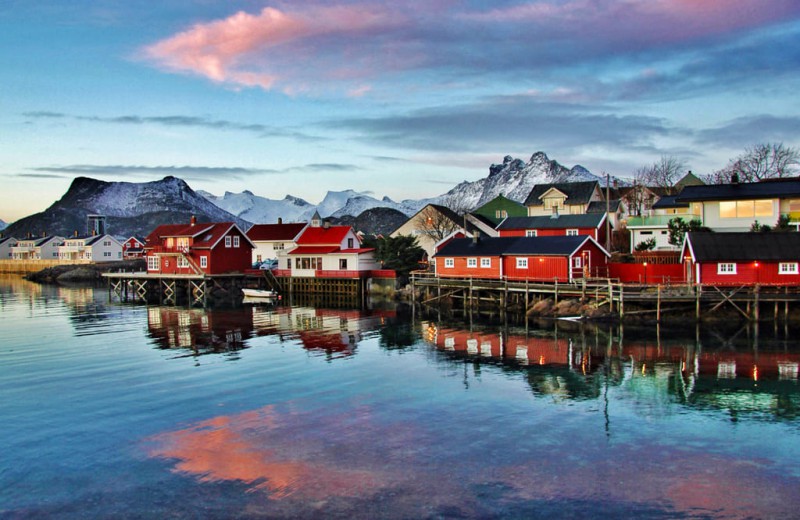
152 263
486 262
349 243
745 208
577 263
342 264
236 241
227 241
203 262
183 262
726 268
787 268
530 232
278 246
522 263
449 262
572 232
472 262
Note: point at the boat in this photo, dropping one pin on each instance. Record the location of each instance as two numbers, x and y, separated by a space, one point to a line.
260 294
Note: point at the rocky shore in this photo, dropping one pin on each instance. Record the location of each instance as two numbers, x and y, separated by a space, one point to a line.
84 273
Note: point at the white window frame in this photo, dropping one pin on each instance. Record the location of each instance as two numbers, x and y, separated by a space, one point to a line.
153 263
203 262
486 263
530 233
788 268
577 262
572 232
472 262
726 268
228 241
522 263
236 241
449 263
183 262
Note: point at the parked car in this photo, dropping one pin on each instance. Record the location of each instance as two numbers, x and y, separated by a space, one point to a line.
269 264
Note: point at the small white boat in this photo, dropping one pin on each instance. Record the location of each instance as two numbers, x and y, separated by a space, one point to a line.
259 294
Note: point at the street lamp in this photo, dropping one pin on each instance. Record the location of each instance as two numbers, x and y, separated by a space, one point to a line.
645 273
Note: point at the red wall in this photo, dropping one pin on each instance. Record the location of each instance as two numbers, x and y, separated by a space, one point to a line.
461 270
548 232
747 274
656 273
541 268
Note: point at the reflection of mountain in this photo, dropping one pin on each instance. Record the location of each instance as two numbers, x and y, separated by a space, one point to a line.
199 331
657 374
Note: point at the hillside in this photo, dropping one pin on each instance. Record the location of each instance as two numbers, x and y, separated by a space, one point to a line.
375 221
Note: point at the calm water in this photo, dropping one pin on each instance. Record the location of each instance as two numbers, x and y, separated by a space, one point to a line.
113 410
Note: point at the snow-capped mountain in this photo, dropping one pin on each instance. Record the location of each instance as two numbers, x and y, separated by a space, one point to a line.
3 225
261 210
515 179
130 208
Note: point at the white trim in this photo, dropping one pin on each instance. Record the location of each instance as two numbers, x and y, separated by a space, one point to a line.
790 268
449 263
726 267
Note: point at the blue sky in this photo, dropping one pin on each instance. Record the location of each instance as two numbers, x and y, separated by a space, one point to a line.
404 99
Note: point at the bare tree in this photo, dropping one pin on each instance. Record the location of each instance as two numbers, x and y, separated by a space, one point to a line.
438 221
663 173
759 162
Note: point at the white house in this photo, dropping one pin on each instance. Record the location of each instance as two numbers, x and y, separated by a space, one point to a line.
324 250
41 248
6 243
97 248
272 240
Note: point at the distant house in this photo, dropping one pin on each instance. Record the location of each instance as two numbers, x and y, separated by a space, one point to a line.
655 226
499 209
42 248
198 248
591 224
737 206
271 240
133 248
550 258
563 198
325 251
97 248
742 258
6 244
430 225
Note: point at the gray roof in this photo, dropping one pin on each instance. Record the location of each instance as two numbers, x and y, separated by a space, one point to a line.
576 192
746 190
542 246
589 220
599 206
668 201
744 246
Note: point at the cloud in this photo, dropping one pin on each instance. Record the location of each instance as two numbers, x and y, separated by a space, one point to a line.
510 122
747 131
259 130
353 47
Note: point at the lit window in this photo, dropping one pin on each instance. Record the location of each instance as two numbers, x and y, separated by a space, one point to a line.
449 262
726 268
486 262
472 262
522 263
788 268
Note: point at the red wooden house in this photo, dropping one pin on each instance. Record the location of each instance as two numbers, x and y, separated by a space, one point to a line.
590 224
198 248
550 258
742 258
132 248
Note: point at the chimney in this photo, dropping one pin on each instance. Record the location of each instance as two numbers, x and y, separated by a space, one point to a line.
476 236
76 233
280 220
326 224
193 221
734 178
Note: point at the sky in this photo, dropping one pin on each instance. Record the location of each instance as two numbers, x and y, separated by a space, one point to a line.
399 99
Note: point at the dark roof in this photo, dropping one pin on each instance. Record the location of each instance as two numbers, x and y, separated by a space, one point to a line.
483 218
543 246
668 201
576 192
745 190
711 247
599 206
589 220
268 232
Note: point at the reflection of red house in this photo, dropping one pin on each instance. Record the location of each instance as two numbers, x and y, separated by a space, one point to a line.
133 248
742 258
203 331
561 258
198 248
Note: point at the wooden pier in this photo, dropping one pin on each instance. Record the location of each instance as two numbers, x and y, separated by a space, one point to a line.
753 303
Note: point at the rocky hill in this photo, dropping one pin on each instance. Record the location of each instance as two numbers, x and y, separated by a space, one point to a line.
130 208
375 221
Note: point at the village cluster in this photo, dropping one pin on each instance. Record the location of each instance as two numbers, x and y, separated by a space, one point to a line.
563 232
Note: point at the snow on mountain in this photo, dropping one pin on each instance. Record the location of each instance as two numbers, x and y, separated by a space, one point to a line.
3 225
515 179
261 210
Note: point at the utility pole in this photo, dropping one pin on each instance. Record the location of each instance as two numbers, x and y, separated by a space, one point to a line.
608 212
